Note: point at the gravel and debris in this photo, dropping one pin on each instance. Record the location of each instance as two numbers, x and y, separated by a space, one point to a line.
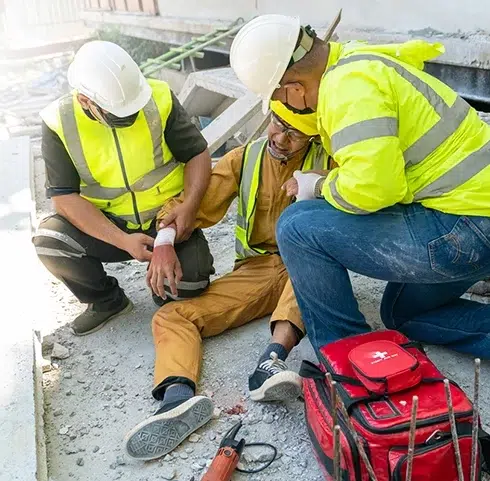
100 385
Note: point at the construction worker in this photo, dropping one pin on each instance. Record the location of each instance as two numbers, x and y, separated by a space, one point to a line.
410 200
116 149
258 285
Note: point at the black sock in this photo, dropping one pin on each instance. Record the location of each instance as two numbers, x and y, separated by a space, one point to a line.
279 349
175 395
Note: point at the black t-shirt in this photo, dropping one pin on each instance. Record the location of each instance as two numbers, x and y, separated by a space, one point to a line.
181 135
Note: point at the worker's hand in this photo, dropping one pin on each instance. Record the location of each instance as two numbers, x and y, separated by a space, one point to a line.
184 218
164 265
291 187
137 245
306 185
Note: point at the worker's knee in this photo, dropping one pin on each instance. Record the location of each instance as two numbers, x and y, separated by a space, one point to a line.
197 266
391 316
175 315
54 241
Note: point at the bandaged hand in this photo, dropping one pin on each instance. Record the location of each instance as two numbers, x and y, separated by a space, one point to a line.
306 184
164 264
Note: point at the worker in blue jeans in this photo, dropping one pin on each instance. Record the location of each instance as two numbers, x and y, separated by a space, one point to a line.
428 258
410 200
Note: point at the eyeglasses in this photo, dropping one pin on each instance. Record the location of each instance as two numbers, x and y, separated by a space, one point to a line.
292 134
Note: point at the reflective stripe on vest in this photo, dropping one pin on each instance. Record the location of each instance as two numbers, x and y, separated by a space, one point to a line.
316 159
252 160
451 117
93 188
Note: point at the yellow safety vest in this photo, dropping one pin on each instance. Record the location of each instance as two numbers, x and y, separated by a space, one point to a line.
398 134
128 172
315 159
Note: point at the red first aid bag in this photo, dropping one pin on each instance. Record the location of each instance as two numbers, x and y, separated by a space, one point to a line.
384 367
377 375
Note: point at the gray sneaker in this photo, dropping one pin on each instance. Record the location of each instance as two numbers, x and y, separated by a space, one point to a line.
92 320
162 433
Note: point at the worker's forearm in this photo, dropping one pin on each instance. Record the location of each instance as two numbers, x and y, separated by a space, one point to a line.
196 179
86 217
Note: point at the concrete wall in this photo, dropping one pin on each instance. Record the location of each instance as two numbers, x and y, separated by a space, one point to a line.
387 15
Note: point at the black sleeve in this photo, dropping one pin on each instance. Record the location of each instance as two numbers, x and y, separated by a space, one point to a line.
182 136
61 176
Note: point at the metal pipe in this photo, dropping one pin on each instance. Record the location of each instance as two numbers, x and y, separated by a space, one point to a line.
337 450
411 438
355 436
454 433
476 424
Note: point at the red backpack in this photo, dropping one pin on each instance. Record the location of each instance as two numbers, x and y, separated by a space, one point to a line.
377 375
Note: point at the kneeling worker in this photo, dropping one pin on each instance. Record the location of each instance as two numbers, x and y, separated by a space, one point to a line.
258 285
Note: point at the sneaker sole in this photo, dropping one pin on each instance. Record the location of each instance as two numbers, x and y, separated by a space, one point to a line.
127 309
284 386
160 434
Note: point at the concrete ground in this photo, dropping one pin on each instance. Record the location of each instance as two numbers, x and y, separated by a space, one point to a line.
103 388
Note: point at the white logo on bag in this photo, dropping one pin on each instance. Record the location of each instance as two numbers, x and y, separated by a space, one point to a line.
379 356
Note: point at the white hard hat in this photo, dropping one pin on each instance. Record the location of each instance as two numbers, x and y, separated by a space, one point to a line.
262 51
107 75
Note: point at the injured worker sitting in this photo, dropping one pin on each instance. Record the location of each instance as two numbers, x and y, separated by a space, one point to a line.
258 285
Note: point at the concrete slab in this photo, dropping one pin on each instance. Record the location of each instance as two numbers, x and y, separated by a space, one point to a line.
231 120
18 413
218 93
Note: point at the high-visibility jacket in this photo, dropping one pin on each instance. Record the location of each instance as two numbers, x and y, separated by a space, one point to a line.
128 172
315 159
398 134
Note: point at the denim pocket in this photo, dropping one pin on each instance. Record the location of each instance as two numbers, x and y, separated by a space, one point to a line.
460 253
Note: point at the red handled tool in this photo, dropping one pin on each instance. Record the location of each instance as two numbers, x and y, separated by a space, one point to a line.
226 460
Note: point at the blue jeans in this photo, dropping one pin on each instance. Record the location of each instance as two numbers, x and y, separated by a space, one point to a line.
428 258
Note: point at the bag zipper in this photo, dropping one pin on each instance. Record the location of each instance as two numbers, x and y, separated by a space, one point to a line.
324 396
397 474
357 414
384 378
125 177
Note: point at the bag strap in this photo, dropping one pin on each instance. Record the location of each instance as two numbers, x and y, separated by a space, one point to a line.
415 344
312 371
484 438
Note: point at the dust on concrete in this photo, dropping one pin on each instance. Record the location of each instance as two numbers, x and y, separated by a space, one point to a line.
103 388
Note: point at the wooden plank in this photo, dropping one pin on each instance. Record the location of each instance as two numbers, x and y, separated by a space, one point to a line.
133 5
104 5
120 5
150 6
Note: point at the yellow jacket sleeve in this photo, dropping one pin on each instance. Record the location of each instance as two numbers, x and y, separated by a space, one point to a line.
359 114
222 189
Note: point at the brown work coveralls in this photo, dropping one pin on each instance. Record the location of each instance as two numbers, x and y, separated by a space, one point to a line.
255 288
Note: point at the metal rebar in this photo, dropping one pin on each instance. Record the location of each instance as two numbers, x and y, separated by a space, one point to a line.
334 403
476 419
353 432
411 438
454 433
337 450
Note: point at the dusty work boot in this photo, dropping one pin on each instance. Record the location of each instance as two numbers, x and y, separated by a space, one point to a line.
93 319
167 428
272 381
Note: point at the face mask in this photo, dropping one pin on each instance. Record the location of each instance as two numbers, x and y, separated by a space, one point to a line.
119 122
110 120
305 111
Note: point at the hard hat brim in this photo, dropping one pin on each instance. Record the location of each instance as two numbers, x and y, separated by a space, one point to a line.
137 104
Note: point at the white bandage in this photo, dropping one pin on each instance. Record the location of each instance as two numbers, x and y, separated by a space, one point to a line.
165 236
306 184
